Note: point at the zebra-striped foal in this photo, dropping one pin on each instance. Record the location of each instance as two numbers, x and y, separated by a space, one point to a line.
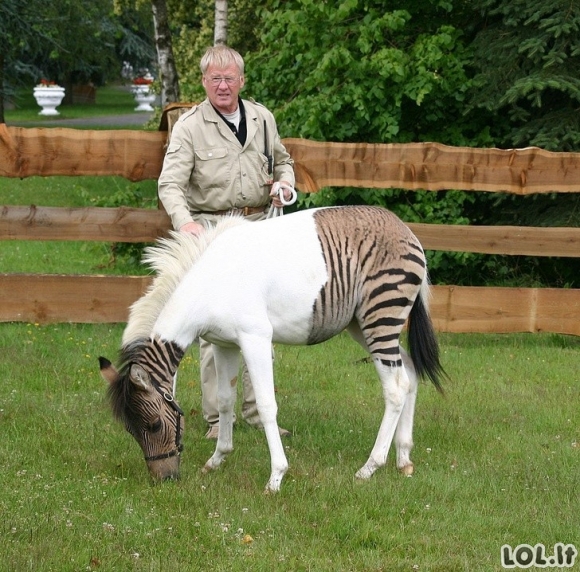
298 279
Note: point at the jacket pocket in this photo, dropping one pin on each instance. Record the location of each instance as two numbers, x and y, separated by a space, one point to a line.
212 169
264 166
211 154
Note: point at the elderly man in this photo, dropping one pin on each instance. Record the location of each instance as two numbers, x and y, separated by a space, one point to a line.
224 157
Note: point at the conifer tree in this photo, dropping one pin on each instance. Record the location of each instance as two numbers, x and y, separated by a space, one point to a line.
528 59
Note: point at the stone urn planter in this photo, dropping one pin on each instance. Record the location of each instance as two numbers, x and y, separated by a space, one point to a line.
49 97
143 97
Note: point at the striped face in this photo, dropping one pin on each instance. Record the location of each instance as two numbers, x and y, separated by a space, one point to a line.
142 398
375 269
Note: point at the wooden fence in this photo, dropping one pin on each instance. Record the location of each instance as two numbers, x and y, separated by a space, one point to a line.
138 155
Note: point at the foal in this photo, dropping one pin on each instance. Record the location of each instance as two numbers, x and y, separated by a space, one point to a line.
299 279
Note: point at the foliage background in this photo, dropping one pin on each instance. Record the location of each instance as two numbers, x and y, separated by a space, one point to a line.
70 41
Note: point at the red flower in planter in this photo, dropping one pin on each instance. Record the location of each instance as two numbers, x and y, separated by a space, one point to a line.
145 80
46 83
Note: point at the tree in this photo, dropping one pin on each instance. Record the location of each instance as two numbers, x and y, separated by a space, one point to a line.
527 56
359 71
221 22
164 44
21 31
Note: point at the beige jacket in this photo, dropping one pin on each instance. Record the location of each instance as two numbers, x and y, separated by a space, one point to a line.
206 169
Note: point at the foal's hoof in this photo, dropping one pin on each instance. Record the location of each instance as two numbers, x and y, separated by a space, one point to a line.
273 486
363 474
408 470
208 468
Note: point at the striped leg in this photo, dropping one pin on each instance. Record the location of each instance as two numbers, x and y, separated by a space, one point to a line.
227 365
395 383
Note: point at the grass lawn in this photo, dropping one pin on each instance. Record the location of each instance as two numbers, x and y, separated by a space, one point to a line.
496 463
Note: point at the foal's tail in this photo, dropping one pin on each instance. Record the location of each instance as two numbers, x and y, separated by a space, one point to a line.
423 345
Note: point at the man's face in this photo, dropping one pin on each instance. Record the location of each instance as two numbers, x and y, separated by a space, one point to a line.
222 86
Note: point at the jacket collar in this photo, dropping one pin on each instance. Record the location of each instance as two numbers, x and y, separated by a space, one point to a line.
252 120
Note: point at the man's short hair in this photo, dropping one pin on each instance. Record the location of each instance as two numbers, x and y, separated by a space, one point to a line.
221 57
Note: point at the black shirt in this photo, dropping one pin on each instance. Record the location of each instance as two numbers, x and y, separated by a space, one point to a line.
240 132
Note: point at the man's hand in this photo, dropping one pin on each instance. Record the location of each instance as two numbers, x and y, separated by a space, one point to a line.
287 193
192 228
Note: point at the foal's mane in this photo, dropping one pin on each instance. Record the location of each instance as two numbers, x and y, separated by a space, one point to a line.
170 258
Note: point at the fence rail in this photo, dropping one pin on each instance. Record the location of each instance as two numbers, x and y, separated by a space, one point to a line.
39 298
138 155
144 225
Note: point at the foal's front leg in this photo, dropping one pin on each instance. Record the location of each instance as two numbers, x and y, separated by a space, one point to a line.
257 353
227 365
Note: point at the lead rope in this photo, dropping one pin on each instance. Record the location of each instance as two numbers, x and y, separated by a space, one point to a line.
278 189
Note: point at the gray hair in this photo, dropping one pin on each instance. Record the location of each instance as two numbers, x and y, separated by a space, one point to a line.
221 57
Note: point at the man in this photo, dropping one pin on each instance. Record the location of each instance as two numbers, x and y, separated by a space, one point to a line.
223 158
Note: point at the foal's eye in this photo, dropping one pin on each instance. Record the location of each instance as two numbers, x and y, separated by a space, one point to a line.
155 426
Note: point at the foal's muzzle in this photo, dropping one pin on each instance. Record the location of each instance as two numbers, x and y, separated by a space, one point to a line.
165 466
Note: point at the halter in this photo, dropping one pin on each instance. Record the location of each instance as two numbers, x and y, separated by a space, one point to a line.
178 445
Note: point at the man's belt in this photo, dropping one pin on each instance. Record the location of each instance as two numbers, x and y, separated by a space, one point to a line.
245 211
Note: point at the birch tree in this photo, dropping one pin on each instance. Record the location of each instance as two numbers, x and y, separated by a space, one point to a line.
165 59
221 22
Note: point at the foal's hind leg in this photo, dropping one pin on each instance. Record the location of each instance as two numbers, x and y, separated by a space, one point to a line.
404 433
395 383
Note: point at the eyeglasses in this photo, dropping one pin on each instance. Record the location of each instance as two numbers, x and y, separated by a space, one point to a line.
216 80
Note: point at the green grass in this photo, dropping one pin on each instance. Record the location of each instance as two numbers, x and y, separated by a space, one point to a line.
71 191
110 100
496 462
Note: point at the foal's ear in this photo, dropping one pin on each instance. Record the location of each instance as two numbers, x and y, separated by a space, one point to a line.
140 377
108 370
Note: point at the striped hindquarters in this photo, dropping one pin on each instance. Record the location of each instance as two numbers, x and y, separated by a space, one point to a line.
375 267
